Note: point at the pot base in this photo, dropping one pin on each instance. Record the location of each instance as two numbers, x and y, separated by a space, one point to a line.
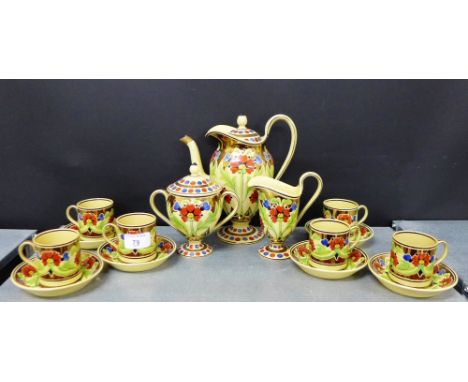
248 234
195 249
274 252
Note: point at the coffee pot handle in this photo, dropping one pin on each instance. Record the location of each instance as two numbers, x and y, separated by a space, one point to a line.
232 213
317 192
156 209
292 145
444 253
69 217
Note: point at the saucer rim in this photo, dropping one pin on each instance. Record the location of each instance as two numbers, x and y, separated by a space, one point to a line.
370 229
426 290
328 271
59 288
134 265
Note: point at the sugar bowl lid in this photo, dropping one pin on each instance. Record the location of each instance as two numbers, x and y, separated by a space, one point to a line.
241 134
198 183
194 186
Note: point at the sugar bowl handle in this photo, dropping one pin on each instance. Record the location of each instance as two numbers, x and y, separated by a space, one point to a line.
233 211
292 145
155 207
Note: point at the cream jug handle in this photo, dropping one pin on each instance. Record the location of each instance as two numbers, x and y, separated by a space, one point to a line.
317 192
232 213
155 208
292 145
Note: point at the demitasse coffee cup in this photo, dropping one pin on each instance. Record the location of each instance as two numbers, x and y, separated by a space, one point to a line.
344 210
92 215
330 242
413 258
136 237
56 256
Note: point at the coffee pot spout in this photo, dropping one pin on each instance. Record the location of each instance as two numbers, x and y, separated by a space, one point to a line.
196 168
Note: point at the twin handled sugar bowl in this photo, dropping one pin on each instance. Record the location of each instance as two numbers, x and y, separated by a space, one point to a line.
194 205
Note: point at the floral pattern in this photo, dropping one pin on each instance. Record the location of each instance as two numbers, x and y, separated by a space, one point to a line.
411 263
91 223
278 216
244 164
192 211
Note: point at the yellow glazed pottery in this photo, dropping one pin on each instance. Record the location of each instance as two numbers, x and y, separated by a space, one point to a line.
300 255
330 243
345 210
194 205
413 258
26 279
86 242
136 237
278 205
444 278
165 248
56 258
241 155
92 215
366 232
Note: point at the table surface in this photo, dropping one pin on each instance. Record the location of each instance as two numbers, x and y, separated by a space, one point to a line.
233 273
9 240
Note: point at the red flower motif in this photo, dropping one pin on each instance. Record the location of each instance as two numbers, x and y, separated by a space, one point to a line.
89 216
89 262
421 258
337 241
446 281
54 255
78 258
376 264
279 212
363 231
28 270
228 198
355 256
190 212
243 164
167 247
345 218
302 249
312 245
394 258
254 197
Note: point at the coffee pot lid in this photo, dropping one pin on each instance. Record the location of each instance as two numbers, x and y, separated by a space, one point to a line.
241 134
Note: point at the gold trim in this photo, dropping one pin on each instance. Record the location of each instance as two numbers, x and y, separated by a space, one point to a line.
419 233
136 225
341 200
308 228
55 245
94 208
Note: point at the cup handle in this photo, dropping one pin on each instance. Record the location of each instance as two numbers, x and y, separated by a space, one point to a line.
292 145
69 217
354 242
364 217
233 211
444 253
21 253
156 209
104 232
317 192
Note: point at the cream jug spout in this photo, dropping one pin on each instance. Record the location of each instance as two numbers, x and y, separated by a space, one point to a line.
196 169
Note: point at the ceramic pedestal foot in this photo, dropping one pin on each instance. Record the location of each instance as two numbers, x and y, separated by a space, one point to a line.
274 252
240 234
195 249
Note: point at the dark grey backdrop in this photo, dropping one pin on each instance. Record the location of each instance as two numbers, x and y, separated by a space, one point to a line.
398 146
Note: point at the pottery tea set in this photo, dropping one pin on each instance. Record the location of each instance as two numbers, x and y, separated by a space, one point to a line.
241 182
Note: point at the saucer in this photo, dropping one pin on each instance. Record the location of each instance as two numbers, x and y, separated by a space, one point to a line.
367 233
357 263
443 280
87 242
92 266
166 247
